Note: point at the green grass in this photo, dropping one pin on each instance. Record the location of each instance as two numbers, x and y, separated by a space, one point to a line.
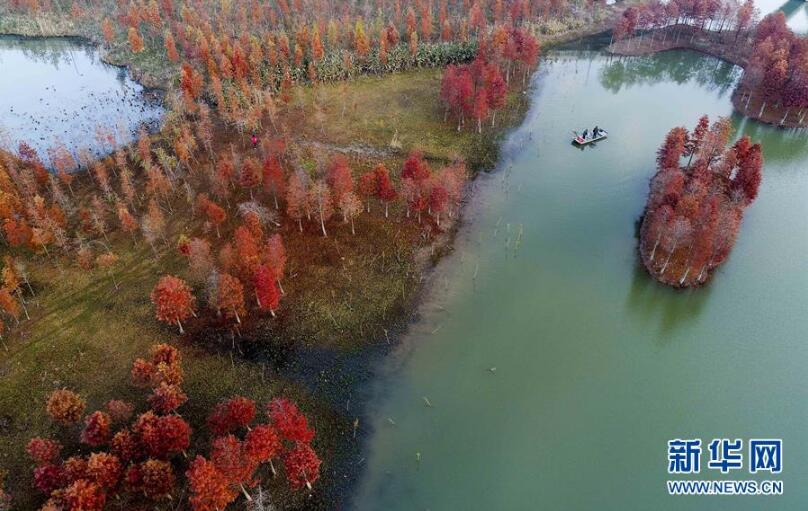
374 111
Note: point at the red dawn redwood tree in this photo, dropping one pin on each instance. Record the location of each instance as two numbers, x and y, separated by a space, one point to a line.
480 107
274 255
266 289
44 450
274 181
302 465
231 415
496 90
96 430
339 177
438 199
296 197
350 205
173 301
250 175
289 420
368 187
65 406
230 297
384 187
210 490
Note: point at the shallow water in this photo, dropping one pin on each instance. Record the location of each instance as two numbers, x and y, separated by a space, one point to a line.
596 365
58 91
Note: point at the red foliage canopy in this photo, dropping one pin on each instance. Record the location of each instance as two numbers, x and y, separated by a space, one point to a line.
172 299
289 420
228 416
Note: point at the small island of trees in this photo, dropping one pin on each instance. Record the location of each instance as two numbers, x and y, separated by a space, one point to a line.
696 202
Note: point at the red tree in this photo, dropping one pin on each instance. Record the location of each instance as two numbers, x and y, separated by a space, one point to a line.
368 187
289 420
230 298
65 406
104 469
302 465
231 415
97 429
274 182
210 490
173 301
384 187
262 443
44 450
339 177
266 289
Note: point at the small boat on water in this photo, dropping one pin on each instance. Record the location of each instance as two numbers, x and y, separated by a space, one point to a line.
580 140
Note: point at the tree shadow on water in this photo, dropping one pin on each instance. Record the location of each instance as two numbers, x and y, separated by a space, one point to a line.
661 310
679 66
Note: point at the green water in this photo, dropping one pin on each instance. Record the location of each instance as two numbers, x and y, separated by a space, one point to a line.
597 366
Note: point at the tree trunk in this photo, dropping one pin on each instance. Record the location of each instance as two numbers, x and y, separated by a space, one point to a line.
322 223
668 260
656 244
682 280
783 120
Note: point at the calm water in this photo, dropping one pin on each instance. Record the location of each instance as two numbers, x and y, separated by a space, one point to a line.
58 91
796 12
596 365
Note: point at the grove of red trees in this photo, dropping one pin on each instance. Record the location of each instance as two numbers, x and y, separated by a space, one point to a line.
139 461
777 71
479 89
716 16
696 201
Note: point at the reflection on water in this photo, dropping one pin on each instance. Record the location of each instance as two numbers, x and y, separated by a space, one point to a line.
54 51
662 310
677 67
57 91
710 74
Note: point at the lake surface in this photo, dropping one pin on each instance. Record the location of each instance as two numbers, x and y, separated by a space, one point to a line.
58 91
596 365
796 12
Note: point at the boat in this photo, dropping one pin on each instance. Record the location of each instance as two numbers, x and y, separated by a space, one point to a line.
578 139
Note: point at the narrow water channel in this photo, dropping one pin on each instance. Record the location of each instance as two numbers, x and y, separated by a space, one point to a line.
556 369
57 91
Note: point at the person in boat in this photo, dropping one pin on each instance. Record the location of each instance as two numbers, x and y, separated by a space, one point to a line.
595 132
585 135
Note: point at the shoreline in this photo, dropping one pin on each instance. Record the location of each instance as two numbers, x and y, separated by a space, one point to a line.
412 313
716 45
